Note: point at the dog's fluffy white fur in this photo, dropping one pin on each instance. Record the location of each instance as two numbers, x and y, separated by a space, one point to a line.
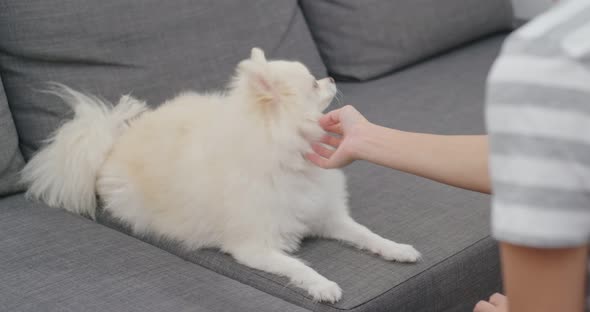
217 170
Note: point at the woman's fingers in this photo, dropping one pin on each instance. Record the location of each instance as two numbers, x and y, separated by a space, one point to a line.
318 160
498 300
338 120
331 118
497 303
331 140
321 156
335 128
322 150
330 122
484 306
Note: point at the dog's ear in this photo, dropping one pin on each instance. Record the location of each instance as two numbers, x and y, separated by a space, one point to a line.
260 81
257 55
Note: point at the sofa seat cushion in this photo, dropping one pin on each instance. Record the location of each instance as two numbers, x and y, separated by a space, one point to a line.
52 260
152 49
448 225
11 160
366 39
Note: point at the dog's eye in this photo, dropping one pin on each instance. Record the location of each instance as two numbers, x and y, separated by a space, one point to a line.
315 84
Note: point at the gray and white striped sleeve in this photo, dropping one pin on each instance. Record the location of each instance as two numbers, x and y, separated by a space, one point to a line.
538 120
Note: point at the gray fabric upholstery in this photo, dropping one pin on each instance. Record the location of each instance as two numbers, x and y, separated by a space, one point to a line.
365 39
11 160
51 260
449 226
153 49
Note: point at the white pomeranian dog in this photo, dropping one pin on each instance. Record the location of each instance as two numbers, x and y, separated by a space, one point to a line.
212 170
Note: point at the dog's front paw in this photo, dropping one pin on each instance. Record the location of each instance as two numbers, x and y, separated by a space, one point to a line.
326 291
399 252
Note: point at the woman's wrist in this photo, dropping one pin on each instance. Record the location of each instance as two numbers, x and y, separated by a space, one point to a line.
374 143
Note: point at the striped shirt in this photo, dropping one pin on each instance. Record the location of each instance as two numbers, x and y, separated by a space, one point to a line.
538 120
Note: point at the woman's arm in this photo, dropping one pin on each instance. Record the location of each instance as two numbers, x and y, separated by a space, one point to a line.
540 280
544 279
460 160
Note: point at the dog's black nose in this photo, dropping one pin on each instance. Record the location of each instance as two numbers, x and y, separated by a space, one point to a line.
331 79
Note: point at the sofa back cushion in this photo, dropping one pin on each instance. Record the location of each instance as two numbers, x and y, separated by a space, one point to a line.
11 160
152 49
360 40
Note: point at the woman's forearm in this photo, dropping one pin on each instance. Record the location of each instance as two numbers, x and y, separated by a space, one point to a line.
458 160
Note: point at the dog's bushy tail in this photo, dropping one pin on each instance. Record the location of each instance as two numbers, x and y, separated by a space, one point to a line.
64 172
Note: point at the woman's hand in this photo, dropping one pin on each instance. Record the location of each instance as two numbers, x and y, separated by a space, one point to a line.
347 126
497 303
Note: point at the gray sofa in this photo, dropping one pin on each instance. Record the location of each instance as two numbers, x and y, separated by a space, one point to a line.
409 64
